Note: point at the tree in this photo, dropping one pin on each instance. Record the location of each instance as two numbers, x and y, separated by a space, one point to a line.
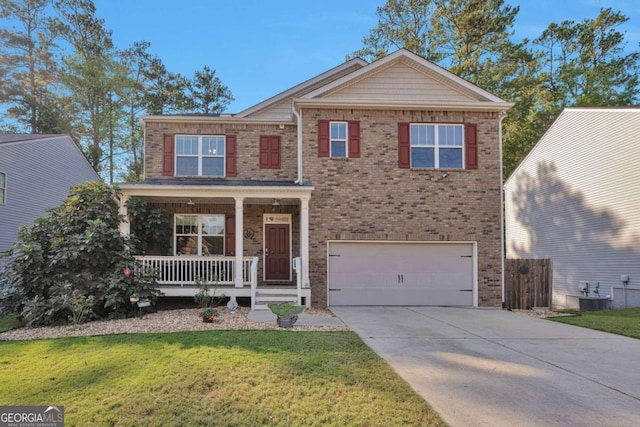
74 255
207 93
166 92
28 69
585 64
401 24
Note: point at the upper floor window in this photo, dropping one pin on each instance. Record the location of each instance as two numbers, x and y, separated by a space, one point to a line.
436 146
3 188
199 234
338 140
198 155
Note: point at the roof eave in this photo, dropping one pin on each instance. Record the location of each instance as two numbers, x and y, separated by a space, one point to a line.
210 119
404 105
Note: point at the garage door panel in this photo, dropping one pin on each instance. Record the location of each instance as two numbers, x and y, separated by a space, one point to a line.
376 273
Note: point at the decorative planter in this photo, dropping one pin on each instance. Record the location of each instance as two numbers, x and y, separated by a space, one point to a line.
287 321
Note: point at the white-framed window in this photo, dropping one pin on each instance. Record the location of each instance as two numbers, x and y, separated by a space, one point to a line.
3 188
338 140
437 146
198 234
200 155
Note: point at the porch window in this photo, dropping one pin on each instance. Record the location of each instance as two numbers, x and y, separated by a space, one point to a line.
436 146
200 155
199 234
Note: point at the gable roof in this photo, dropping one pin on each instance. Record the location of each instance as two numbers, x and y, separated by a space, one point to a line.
305 86
410 81
8 140
17 137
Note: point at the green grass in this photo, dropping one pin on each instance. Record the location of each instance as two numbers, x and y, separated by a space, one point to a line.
9 322
622 322
226 378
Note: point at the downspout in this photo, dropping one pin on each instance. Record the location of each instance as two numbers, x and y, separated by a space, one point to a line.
299 129
503 114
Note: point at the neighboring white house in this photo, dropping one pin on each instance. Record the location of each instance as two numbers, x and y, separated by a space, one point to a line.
36 172
576 199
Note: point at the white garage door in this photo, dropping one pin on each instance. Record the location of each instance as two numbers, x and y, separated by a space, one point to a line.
382 273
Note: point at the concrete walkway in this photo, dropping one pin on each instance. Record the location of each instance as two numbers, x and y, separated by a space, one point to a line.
304 319
489 367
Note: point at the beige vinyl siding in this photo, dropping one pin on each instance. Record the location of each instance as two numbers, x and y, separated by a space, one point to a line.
279 111
398 81
575 199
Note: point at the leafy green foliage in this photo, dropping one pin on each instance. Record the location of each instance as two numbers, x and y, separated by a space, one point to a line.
150 226
72 258
286 309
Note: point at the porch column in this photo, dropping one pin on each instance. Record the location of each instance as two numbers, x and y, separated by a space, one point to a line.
304 240
124 227
239 275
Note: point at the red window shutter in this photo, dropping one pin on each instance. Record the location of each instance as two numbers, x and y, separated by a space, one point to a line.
404 146
230 157
354 139
269 152
264 152
323 138
275 152
229 235
471 145
168 157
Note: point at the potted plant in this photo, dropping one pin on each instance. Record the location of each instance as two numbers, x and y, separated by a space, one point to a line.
209 315
207 299
287 313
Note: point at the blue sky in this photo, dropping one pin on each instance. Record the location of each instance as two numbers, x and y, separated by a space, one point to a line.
262 47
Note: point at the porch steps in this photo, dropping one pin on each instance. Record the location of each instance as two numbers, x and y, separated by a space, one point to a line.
265 296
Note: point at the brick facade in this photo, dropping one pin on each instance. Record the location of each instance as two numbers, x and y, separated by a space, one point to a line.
248 139
371 198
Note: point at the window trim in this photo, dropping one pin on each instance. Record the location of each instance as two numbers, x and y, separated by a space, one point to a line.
346 140
200 156
436 146
3 189
199 233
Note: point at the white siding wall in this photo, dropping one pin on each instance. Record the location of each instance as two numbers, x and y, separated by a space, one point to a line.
399 81
279 111
576 199
39 175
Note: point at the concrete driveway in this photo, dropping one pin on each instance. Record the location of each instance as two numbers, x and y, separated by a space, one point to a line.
489 367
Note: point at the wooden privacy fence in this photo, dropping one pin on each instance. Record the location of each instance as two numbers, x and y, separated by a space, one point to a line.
528 283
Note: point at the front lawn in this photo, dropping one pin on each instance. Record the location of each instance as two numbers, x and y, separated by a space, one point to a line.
622 322
226 378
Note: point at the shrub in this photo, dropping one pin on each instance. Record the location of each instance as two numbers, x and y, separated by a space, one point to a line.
69 265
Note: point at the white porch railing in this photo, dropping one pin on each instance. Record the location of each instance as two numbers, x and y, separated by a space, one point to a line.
184 270
297 266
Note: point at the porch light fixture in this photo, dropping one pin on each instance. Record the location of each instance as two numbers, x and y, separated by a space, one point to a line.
275 202
190 203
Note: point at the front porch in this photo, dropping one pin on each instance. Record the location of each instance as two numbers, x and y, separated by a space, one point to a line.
177 276
249 239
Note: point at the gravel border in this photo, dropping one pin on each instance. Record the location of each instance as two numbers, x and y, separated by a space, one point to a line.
162 321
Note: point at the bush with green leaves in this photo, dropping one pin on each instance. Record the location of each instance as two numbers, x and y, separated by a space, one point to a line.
150 226
73 258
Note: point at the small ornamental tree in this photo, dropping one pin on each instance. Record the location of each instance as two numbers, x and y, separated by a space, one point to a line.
75 254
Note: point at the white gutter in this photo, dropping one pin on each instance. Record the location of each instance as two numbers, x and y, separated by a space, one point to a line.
502 252
299 131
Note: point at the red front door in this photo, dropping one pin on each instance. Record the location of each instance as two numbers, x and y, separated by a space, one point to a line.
277 256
